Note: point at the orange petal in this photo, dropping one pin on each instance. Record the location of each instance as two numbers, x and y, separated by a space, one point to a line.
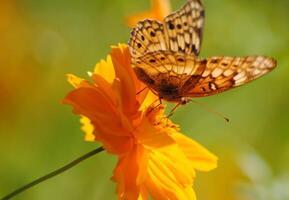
149 136
170 172
87 128
160 9
127 172
114 144
169 178
105 87
76 82
148 100
125 84
92 103
200 157
105 69
110 126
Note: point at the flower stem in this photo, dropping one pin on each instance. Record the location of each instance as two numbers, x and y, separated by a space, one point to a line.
52 174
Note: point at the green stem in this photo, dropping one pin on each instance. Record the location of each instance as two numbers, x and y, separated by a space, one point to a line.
52 174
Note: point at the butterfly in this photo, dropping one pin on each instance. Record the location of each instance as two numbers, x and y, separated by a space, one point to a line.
164 56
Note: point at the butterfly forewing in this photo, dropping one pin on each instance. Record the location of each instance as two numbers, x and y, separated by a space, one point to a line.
184 28
180 32
148 36
223 73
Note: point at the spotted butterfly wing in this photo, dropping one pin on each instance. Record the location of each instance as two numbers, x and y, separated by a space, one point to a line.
173 76
180 31
223 73
184 28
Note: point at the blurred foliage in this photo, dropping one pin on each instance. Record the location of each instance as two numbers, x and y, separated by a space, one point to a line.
41 41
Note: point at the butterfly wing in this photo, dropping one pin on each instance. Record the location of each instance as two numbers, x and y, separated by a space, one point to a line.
166 63
223 73
184 28
147 36
180 32
165 72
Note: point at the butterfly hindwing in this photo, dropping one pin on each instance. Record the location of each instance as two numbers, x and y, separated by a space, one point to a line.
168 73
166 62
223 73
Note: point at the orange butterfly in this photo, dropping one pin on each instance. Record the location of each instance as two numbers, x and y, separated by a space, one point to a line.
165 58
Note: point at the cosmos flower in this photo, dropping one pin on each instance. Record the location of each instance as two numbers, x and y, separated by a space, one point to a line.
160 9
154 158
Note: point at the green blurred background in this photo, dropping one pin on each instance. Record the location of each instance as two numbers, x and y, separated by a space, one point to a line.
42 40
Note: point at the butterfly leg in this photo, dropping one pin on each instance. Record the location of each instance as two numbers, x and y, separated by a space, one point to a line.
184 101
173 110
160 100
154 107
141 90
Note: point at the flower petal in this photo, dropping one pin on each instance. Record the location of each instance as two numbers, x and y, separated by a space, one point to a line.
92 103
149 99
76 81
127 172
105 87
105 69
200 157
165 180
87 128
160 9
126 79
155 159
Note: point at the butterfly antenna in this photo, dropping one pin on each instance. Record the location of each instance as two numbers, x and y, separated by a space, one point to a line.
206 107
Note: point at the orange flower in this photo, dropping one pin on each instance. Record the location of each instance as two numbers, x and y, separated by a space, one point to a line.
154 158
160 9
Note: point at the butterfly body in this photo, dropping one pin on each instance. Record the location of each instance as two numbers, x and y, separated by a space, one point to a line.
165 57
172 75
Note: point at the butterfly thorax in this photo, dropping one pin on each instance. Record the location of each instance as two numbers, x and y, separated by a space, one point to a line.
173 94
169 91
